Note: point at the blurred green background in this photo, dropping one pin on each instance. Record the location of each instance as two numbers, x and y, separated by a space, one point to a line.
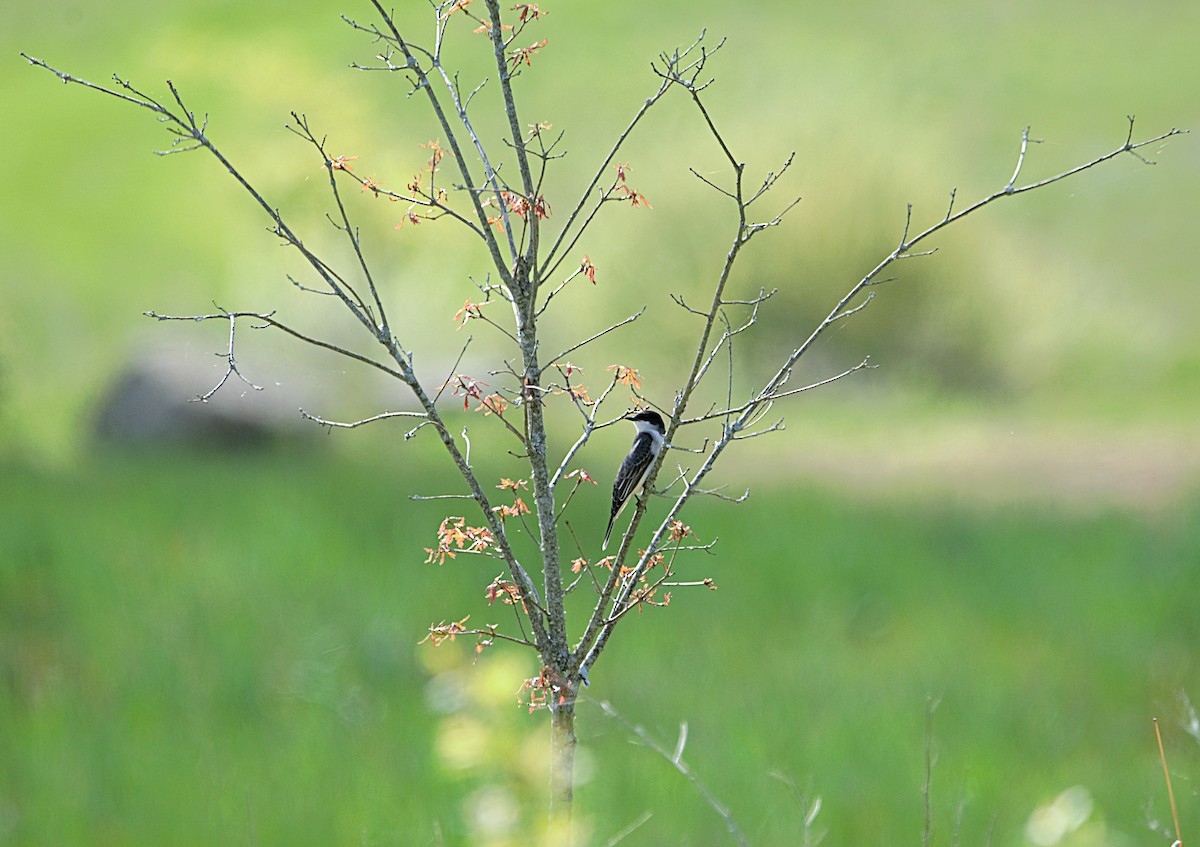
212 646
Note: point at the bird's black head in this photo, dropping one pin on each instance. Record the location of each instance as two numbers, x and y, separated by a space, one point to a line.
648 416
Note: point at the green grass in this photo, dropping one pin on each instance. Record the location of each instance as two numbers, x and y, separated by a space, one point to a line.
203 651
1073 302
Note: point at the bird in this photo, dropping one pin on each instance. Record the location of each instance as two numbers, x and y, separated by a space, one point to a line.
647 444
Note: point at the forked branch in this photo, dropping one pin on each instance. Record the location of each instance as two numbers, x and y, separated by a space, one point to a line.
738 421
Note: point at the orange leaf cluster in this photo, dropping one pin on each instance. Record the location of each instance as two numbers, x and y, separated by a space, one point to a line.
542 687
645 595
528 11
525 54
473 389
439 633
626 376
579 392
625 192
470 388
517 509
679 530
583 475
521 206
647 591
505 591
427 194
436 154
486 26
588 267
468 311
455 535
493 404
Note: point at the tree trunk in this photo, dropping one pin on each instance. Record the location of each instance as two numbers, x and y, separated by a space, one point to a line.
562 765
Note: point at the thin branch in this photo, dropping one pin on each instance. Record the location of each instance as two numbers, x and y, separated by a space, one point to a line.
866 300
1025 141
679 301
637 824
232 369
727 337
554 292
492 633
308 290
773 177
763 296
1167 776
675 759
269 320
865 363
453 370
592 338
600 628
556 253
514 126
413 65
184 124
775 427
712 185
754 229
589 426
355 424
600 625
140 100
906 244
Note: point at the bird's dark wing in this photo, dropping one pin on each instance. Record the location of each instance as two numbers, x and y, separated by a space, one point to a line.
629 475
633 470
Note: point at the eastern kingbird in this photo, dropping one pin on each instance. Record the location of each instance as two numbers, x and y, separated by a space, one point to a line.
647 444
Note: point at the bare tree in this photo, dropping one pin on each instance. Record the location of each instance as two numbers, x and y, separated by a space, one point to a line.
494 195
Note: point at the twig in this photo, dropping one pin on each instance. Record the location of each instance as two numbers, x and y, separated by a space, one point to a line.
1167 776
589 426
453 370
810 807
906 244
675 759
345 226
555 255
355 424
270 321
629 830
413 65
592 338
232 369
1025 139
865 363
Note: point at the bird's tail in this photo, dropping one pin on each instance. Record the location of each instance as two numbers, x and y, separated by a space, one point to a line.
608 532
